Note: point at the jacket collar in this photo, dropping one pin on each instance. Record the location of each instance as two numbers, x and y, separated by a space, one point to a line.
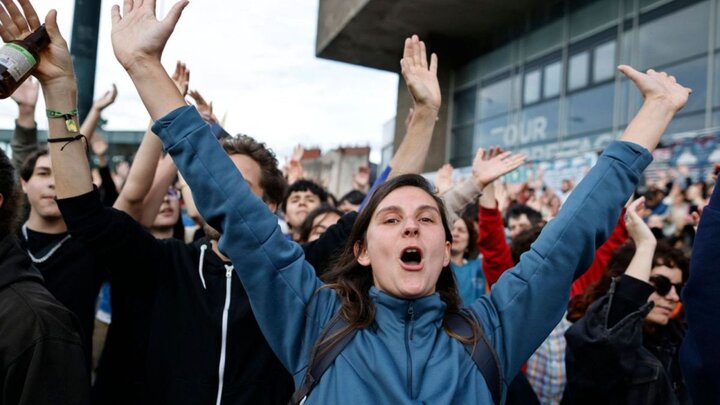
426 311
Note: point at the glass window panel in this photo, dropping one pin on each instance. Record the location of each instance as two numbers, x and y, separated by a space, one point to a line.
495 98
538 124
467 74
541 40
495 60
578 71
491 132
592 16
675 36
591 110
716 90
684 123
462 143
532 86
464 107
604 62
553 75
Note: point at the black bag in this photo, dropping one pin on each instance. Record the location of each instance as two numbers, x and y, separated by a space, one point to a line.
482 354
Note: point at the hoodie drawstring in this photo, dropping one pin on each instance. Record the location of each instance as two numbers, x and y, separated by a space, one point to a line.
203 248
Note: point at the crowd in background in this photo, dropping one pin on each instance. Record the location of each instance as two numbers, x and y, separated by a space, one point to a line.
131 269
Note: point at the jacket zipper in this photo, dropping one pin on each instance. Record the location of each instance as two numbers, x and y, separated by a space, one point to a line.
408 337
223 347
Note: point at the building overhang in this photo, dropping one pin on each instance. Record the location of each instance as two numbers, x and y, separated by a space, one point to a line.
370 32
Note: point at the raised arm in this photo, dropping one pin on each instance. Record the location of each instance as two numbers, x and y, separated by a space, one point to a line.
271 267
24 141
423 85
90 122
528 301
142 194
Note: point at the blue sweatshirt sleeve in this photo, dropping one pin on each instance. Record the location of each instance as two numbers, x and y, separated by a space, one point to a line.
530 299
286 296
699 354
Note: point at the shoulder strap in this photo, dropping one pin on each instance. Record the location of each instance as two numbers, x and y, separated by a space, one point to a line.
482 353
318 365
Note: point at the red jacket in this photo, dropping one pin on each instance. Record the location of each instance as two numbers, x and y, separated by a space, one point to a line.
496 255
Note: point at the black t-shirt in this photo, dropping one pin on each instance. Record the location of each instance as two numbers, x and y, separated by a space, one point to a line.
71 274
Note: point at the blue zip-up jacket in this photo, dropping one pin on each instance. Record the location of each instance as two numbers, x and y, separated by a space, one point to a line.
700 353
405 357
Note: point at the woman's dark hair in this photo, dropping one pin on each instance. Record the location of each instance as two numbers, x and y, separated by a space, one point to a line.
523 241
307 225
305 185
354 197
352 281
619 262
10 195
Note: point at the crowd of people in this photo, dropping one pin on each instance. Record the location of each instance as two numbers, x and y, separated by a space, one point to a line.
400 291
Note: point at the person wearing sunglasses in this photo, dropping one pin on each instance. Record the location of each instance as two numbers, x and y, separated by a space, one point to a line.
624 350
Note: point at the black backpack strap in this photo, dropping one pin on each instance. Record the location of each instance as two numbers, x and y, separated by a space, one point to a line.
482 353
318 365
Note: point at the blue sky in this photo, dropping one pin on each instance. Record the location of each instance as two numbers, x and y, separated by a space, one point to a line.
256 61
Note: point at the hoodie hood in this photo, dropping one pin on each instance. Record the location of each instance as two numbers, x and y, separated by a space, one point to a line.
15 265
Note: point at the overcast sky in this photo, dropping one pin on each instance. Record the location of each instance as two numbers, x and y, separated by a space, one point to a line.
256 61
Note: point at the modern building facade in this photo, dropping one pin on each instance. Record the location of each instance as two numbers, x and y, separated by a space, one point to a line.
540 76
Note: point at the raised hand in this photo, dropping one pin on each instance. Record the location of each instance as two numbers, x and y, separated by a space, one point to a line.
638 230
137 35
295 169
27 94
55 64
491 165
361 179
658 86
106 99
444 178
181 77
421 78
204 108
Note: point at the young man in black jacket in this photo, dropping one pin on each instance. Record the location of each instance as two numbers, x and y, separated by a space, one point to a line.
42 359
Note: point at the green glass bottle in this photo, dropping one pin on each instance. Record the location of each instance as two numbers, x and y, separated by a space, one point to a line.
19 59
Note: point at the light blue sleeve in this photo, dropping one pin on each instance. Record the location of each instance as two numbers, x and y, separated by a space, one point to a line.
530 299
286 296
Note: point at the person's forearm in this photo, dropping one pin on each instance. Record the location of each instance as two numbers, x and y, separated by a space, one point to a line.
649 124
641 263
90 123
23 144
141 176
155 87
189 202
26 116
412 152
164 177
70 166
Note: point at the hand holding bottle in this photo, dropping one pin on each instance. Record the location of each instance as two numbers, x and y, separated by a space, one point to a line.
55 66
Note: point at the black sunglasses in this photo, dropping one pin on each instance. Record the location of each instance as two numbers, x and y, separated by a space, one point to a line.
663 285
